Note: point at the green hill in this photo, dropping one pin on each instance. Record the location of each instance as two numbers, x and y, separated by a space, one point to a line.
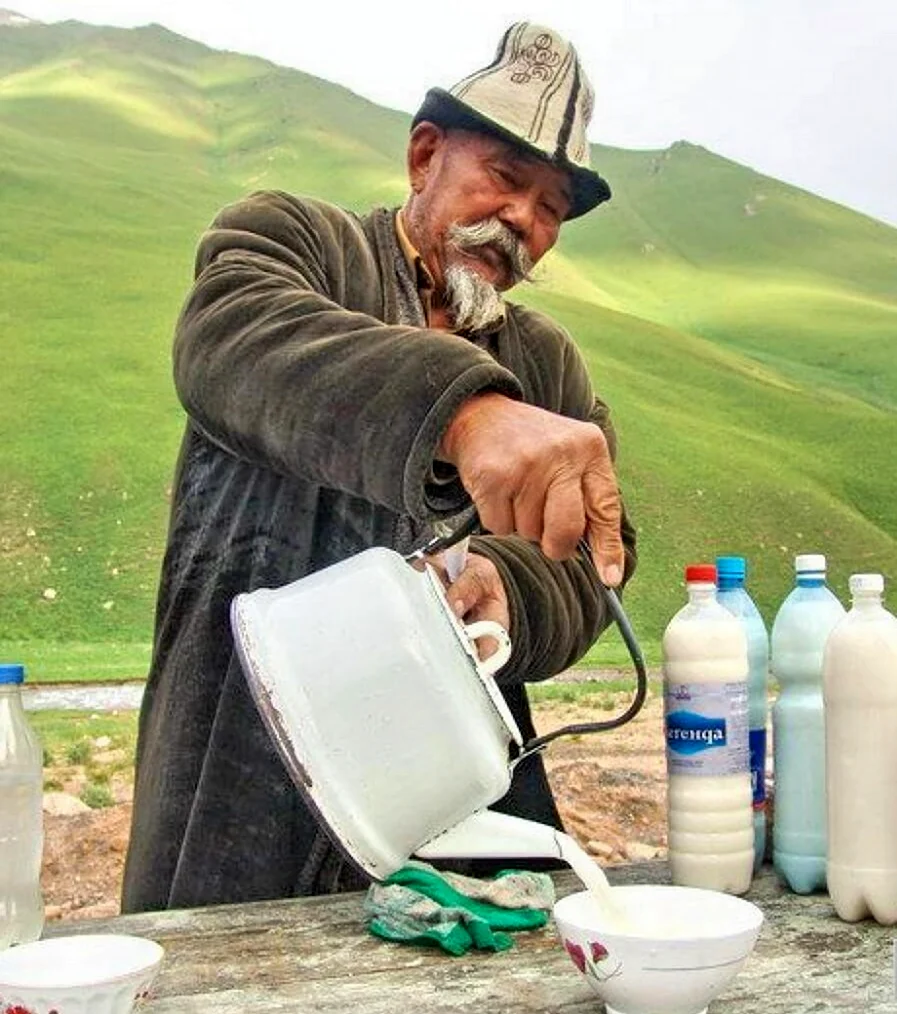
743 330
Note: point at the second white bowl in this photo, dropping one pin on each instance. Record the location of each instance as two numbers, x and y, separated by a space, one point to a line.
687 946
102 973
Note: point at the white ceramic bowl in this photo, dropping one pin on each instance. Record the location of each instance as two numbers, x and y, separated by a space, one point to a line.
685 947
103 973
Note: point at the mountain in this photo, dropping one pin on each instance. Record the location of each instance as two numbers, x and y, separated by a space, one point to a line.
14 19
743 330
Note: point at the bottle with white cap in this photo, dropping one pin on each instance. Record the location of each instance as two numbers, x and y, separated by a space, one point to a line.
21 816
710 813
799 633
860 686
731 574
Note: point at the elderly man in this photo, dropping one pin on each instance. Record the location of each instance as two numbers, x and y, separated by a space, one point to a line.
349 382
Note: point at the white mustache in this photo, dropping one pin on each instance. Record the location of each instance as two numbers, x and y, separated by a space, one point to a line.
494 233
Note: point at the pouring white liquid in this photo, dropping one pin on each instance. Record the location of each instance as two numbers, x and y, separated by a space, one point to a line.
595 880
621 920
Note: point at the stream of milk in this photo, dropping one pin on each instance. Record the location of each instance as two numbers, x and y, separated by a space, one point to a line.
642 923
596 882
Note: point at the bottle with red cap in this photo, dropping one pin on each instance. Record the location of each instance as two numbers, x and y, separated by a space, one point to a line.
710 803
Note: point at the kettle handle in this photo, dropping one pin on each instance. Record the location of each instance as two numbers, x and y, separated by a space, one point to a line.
489 628
470 526
638 660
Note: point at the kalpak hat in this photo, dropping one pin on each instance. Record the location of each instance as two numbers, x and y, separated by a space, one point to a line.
536 96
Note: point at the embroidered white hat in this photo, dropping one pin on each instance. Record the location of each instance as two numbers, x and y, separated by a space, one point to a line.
534 95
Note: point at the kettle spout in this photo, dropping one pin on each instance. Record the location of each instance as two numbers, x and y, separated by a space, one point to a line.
490 835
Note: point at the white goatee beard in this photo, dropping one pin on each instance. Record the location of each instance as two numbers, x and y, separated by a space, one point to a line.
474 303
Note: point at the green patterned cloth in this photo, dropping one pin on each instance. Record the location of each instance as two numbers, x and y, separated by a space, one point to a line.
419 905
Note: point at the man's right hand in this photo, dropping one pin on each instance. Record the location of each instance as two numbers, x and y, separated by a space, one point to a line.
539 475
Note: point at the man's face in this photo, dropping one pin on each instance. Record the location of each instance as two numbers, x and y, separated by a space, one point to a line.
462 179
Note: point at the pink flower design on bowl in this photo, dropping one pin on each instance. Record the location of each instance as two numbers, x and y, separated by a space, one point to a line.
588 962
577 954
599 951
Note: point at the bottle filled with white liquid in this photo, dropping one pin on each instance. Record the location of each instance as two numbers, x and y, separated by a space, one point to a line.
21 816
710 811
802 626
860 691
731 574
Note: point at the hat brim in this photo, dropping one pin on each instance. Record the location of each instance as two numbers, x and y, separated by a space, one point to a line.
442 108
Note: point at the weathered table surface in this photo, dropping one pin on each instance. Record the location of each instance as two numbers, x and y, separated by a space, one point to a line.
314 954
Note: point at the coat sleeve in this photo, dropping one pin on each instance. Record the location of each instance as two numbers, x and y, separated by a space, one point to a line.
271 364
557 610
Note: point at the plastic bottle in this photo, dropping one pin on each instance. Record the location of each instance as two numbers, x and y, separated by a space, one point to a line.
799 633
731 572
711 835
21 816
860 687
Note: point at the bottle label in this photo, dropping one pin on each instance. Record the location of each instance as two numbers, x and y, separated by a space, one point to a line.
707 728
757 740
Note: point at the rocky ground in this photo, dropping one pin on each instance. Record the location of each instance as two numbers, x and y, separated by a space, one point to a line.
611 786
610 789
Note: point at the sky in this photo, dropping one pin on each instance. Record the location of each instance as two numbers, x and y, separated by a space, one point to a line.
802 90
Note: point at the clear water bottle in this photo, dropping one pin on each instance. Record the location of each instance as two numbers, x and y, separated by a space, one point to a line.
731 572
799 633
860 690
21 816
705 667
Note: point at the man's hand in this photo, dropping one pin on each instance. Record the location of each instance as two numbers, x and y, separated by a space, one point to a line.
477 594
540 475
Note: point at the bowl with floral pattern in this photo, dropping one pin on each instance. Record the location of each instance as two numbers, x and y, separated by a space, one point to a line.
99 973
676 950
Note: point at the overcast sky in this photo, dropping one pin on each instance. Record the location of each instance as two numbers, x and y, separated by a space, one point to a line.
803 90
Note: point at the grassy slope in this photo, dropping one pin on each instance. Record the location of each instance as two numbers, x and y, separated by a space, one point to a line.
742 330
114 163
705 245
719 455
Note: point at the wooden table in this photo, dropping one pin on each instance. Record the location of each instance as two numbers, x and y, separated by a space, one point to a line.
314 954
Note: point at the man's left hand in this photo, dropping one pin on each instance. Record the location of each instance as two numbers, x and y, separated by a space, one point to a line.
477 594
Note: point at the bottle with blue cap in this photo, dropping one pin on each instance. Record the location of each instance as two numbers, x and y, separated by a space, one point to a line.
799 633
21 816
731 574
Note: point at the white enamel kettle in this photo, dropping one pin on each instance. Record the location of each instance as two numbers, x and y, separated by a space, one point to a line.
385 717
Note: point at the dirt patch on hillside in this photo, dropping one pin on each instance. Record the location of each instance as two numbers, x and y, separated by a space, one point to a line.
84 856
610 788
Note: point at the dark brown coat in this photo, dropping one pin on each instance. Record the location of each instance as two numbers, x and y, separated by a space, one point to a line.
313 417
